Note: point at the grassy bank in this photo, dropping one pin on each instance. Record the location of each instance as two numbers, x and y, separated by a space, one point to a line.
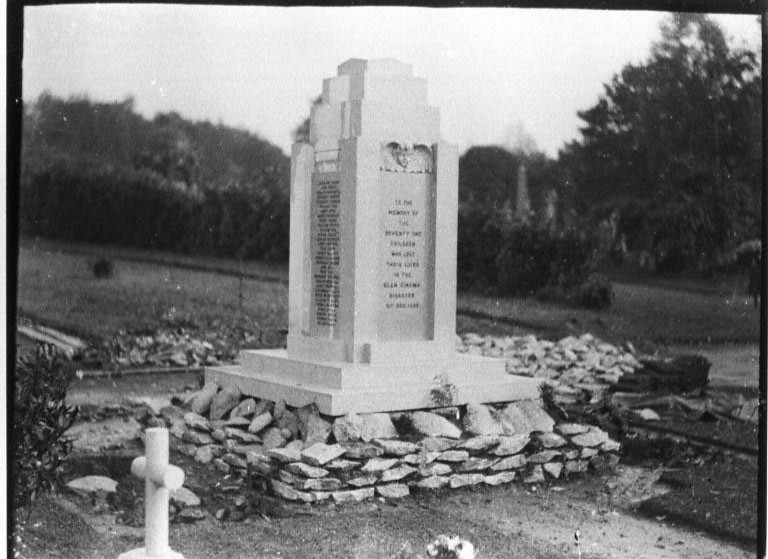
60 289
151 289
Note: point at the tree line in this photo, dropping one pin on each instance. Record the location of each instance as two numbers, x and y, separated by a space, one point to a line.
100 172
666 169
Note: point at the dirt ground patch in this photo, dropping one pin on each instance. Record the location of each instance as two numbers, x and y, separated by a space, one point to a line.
502 522
641 510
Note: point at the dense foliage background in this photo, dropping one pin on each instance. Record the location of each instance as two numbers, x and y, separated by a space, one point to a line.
674 148
665 174
100 172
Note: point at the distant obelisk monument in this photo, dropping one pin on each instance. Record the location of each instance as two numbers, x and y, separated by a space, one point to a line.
523 204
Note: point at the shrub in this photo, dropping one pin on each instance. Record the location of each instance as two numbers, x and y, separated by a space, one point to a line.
596 293
40 420
477 250
532 260
102 268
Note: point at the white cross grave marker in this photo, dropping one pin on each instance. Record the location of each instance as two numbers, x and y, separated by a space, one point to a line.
160 478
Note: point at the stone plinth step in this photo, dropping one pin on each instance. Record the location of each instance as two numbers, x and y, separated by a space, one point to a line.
387 396
457 368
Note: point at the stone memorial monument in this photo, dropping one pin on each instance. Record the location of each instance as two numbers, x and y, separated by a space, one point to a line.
372 270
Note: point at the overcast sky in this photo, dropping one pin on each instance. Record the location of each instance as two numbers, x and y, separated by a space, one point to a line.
488 69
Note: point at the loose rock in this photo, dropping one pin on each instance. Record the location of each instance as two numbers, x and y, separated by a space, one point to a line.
237 422
348 428
201 401
434 482
461 480
260 422
543 456
321 453
288 454
588 452
482 442
396 448
432 425
206 453
393 490
435 469
273 438
480 421
550 440
576 466
234 460
395 474
313 428
342 465
288 492
377 426
353 495
197 437
453 456
197 421
593 437
438 444
241 435
223 402
501 477
300 468
553 469
362 450
511 445
510 463
184 497
375 465
362 481
244 408
322 484
221 465
571 428
477 464
525 416
288 423
92 484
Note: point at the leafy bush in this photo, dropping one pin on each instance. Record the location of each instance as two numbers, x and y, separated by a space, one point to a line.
40 420
531 259
596 293
102 268
513 258
478 247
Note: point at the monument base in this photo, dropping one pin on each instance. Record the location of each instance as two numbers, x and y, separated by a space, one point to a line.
339 388
141 553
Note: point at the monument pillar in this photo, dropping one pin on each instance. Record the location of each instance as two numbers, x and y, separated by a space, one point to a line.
372 271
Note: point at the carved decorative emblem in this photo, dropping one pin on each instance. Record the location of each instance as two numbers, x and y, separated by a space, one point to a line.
406 158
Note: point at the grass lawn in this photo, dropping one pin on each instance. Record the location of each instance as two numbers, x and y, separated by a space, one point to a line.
639 314
56 286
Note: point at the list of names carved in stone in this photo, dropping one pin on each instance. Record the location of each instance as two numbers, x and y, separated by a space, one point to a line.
326 240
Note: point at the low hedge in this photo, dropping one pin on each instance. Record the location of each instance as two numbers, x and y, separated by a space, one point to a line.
78 199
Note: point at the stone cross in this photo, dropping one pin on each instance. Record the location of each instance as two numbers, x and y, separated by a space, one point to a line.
160 478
